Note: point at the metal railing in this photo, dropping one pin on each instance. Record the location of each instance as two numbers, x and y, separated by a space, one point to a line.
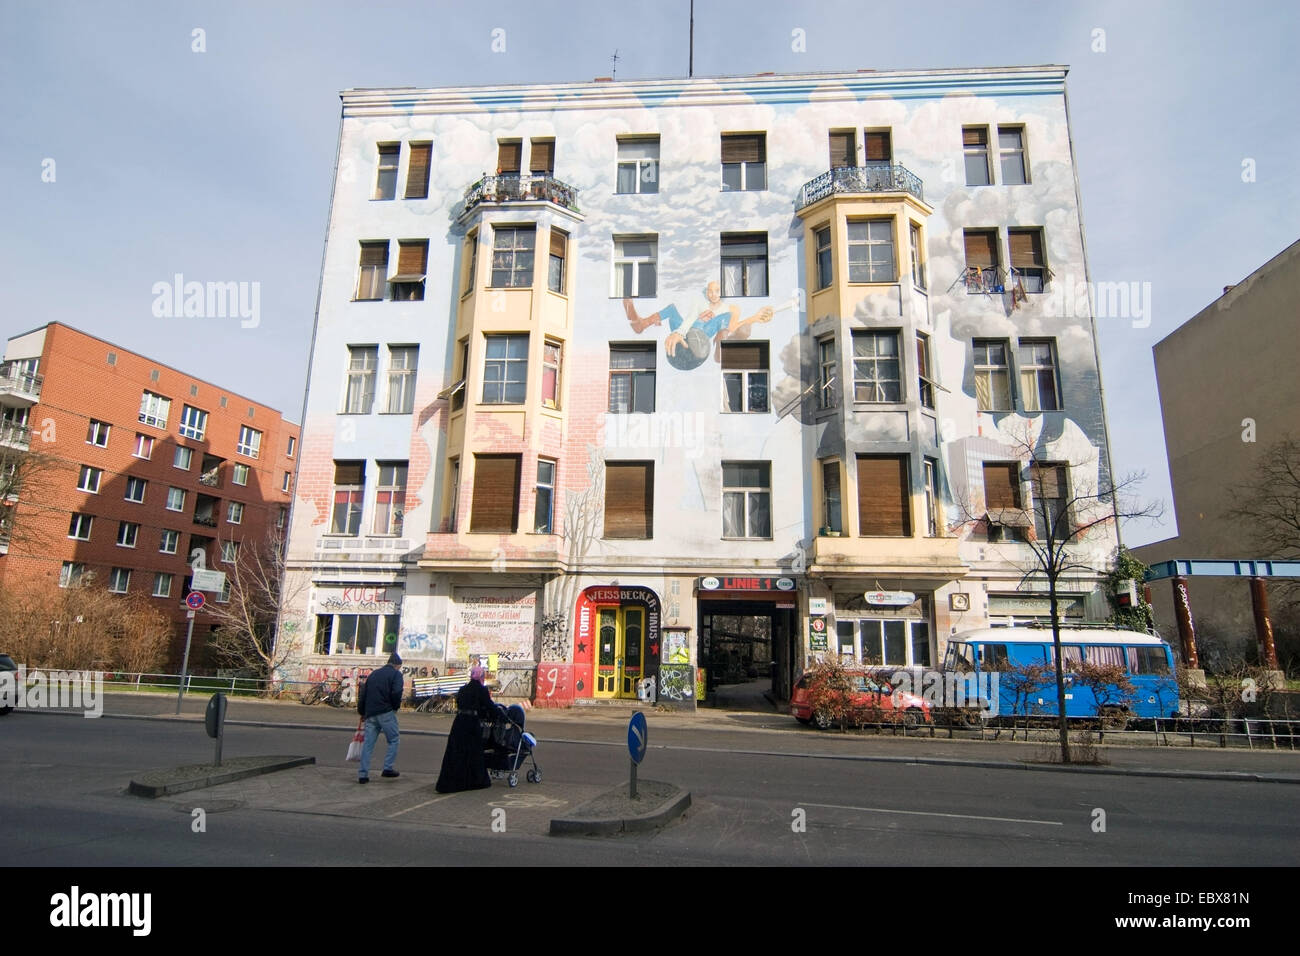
515 187
12 377
878 178
11 433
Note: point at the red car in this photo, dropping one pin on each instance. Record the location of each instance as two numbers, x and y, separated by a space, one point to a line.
870 693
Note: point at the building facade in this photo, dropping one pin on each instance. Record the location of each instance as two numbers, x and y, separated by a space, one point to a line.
143 465
1242 348
692 378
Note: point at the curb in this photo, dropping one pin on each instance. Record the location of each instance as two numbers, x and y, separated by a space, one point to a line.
198 782
578 826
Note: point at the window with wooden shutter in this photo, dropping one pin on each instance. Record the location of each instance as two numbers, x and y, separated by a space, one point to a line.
975 147
981 249
844 151
541 157
884 499
374 270
417 176
508 156
1026 247
412 258
556 266
629 499
879 143
744 148
1001 486
496 494
744 161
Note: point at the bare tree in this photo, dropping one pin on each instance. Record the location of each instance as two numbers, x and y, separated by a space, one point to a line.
1270 509
1066 511
26 475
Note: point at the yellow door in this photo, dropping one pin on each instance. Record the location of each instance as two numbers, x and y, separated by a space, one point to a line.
632 646
608 653
620 651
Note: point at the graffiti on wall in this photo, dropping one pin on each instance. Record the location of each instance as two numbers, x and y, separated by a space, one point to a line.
516 682
676 682
497 621
422 645
554 685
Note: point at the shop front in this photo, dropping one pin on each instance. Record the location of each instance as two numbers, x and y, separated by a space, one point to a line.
617 643
746 631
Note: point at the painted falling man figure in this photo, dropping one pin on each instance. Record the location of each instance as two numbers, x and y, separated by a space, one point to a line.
689 339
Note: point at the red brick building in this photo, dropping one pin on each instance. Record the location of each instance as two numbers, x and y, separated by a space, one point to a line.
142 464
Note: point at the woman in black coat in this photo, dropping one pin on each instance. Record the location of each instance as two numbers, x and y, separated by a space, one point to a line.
463 767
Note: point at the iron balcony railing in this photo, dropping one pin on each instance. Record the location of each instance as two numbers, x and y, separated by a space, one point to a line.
516 187
878 178
15 435
14 376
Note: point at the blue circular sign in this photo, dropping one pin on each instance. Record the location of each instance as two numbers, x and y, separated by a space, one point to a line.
637 734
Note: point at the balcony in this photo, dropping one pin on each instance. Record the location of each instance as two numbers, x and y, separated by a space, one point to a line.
851 180
517 187
18 386
13 435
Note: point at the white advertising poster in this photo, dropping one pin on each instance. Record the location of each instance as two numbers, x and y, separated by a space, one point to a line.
493 621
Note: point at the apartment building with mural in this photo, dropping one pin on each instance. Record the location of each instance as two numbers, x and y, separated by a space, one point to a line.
686 377
141 466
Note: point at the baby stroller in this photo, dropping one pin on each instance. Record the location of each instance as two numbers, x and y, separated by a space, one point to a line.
506 746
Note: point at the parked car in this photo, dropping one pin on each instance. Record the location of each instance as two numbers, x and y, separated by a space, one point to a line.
7 664
870 693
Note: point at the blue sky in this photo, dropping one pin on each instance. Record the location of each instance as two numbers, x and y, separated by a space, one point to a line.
217 164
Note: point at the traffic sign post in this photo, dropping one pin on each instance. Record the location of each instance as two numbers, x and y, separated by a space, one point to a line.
194 601
637 735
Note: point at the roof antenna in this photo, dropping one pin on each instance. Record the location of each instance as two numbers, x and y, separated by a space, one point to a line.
613 69
690 67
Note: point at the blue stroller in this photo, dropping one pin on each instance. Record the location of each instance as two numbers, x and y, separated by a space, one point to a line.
507 746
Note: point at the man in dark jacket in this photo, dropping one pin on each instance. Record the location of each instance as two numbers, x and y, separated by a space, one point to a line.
378 701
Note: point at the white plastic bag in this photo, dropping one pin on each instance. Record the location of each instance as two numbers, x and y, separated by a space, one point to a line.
354 747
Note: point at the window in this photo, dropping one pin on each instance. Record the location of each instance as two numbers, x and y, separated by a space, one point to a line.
234 513
401 380
417 175
386 181
127 533
223 596
744 376
169 541
924 374
635 259
471 259
631 378
457 391
143 446
1011 150
71 573
390 499
162 584
871 251
551 355
280 518
1037 361
932 522
194 422
744 264
182 458
746 499
505 370
512 256
824 271
229 552
541 157
1027 267
1047 485
239 474
544 509
175 499
210 470
206 510
119 580
349 491
288 452
888 643
97 434
412 261
992 376
496 494
918 260
975 147
876 367
509 156
79 527
638 164
451 495
359 398
1003 501
374 271
844 148
629 499
884 496
744 161
832 512
135 490
284 485
250 442
154 410
1146 660
983 271
879 146
89 479
826 365
555 266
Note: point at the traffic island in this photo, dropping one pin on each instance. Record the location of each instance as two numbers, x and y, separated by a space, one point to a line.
656 805
161 783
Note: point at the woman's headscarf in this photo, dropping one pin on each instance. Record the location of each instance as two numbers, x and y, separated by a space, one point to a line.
477 673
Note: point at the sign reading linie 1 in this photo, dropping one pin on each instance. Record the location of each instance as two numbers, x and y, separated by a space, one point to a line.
890 598
746 584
